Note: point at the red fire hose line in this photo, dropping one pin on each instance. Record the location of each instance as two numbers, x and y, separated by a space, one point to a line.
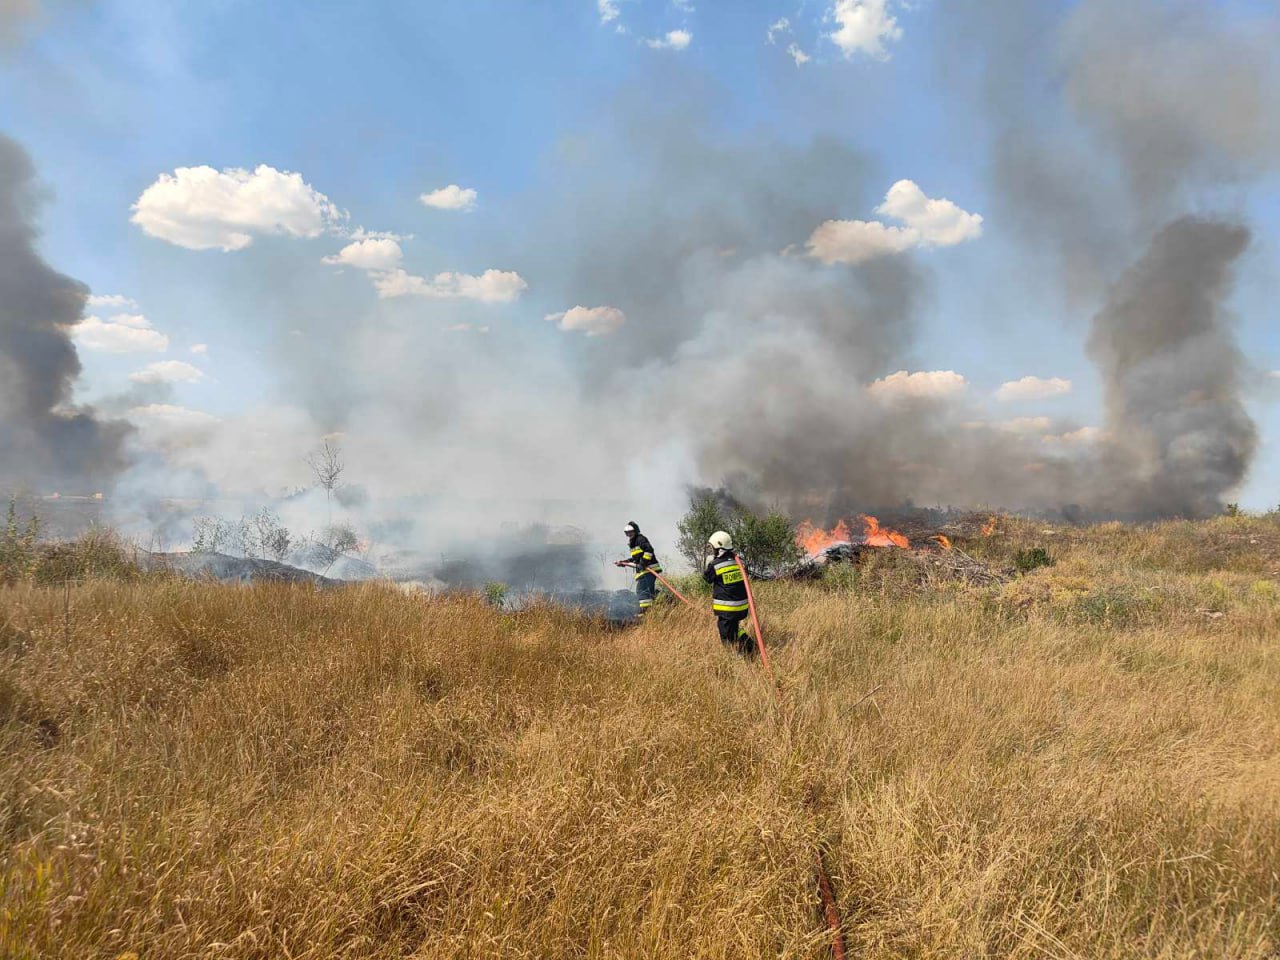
829 910
665 582
755 622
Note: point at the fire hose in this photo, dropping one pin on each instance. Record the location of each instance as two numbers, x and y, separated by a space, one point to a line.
661 579
826 892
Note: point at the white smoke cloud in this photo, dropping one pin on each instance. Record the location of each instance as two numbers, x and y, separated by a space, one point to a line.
777 28
201 208
608 10
673 40
168 371
123 333
593 321
923 384
798 55
492 286
370 253
1033 388
864 26
929 223
452 197
200 348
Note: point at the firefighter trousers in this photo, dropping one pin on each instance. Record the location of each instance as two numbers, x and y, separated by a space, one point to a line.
646 590
733 633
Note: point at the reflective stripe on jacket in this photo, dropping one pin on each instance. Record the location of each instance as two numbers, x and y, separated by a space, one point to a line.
643 557
728 583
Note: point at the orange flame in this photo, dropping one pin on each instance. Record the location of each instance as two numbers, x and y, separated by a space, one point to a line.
989 527
877 536
942 540
813 539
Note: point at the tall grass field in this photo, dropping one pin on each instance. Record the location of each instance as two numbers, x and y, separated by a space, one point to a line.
1080 762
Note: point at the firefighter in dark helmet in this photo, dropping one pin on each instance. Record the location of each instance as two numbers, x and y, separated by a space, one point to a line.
729 593
645 562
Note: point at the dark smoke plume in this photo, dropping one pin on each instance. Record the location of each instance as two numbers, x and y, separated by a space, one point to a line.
1172 373
43 438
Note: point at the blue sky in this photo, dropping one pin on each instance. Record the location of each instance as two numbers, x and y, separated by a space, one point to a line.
376 104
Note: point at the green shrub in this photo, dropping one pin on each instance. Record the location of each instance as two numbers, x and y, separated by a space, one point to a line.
495 593
17 545
768 541
708 512
1032 558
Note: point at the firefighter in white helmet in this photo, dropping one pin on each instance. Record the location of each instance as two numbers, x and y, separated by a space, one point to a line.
724 571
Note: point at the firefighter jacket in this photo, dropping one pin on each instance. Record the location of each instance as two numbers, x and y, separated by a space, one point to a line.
728 583
643 557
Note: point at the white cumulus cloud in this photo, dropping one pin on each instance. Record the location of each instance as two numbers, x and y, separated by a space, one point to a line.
923 384
113 300
1025 425
370 253
122 333
593 321
608 10
168 371
777 28
928 223
798 55
199 348
452 197
933 384
864 26
201 208
1074 438
940 223
169 415
492 286
1033 388
674 40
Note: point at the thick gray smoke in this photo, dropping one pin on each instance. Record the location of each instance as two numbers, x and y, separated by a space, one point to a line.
744 362
44 439
1173 373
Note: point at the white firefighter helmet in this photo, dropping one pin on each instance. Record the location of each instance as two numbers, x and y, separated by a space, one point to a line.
720 540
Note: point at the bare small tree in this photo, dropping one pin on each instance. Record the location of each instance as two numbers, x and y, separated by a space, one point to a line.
209 534
269 535
327 466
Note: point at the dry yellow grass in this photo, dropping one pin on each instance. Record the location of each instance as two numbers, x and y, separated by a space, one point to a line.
1082 763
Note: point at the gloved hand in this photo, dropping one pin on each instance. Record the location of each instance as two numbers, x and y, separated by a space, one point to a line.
622 563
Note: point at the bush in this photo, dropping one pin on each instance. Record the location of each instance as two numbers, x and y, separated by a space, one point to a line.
1032 558
17 545
768 541
708 513
495 594
340 538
